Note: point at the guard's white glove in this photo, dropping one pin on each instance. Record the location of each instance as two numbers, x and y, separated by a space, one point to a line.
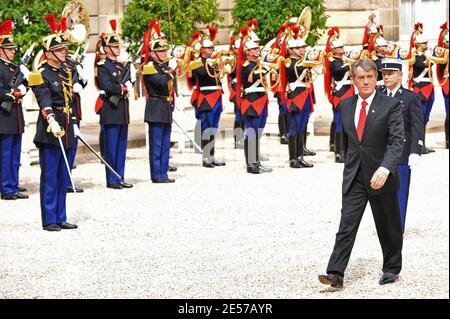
22 89
173 63
413 160
129 86
24 70
55 128
76 130
132 73
82 73
77 88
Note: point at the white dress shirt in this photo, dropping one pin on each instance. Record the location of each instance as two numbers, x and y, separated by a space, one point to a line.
394 91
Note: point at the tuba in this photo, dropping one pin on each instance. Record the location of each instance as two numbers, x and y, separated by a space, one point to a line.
77 32
77 22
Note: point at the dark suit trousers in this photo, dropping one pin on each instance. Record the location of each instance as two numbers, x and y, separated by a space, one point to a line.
386 214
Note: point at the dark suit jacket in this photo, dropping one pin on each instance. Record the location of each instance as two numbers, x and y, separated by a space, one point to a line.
381 145
413 121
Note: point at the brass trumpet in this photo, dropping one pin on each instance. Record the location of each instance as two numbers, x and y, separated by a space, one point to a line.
268 70
221 63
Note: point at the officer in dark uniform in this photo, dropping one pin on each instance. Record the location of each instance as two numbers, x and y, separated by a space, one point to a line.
253 104
299 100
113 107
208 100
413 123
420 78
338 86
53 90
11 115
159 75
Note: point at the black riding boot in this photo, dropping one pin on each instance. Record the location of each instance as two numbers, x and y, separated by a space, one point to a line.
293 161
306 152
214 161
332 139
300 148
252 167
339 150
207 148
283 129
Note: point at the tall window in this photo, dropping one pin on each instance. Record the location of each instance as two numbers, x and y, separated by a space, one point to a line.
432 13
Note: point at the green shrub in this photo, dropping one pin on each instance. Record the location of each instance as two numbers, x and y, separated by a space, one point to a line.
271 14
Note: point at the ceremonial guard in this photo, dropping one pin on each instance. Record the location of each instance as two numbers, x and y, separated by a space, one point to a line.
239 125
338 86
441 60
204 76
13 82
279 47
420 76
413 124
299 98
159 74
114 81
375 47
52 86
253 102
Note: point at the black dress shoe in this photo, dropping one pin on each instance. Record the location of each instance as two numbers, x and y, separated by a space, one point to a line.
218 163
163 180
294 164
304 163
21 189
115 186
284 139
9 196
66 225
207 164
52 227
70 189
253 169
172 169
339 159
307 152
19 195
264 169
126 185
388 278
334 280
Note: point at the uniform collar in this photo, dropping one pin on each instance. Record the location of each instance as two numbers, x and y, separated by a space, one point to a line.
6 62
394 91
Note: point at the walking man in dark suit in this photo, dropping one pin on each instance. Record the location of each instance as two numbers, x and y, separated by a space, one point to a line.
414 127
373 138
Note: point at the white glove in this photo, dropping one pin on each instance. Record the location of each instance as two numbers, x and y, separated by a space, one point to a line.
173 64
81 73
227 68
413 160
132 73
54 126
76 130
77 88
22 89
129 86
24 70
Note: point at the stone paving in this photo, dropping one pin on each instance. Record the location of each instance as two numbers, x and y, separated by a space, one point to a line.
219 233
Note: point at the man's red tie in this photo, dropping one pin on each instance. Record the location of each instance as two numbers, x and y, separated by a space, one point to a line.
362 120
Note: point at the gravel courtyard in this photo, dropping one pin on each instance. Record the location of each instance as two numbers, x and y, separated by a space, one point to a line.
219 233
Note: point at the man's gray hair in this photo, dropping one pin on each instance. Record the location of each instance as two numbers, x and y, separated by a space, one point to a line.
366 64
